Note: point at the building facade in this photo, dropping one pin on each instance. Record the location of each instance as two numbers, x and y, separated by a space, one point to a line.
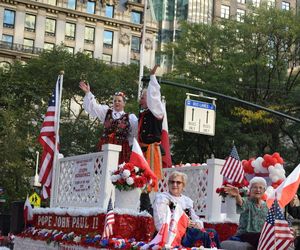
109 30
236 9
169 14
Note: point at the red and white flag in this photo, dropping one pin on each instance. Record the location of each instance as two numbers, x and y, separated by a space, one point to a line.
47 139
137 158
28 211
109 221
232 168
162 236
178 225
276 233
165 142
286 191
172 230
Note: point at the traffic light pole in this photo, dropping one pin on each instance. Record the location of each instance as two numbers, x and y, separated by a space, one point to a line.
213 93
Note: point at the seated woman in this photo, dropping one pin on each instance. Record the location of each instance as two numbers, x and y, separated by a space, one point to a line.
195 230
253 212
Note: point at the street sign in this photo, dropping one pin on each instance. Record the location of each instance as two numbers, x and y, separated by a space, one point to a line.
35 200
199 117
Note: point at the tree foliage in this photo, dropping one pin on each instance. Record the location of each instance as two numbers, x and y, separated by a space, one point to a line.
256 60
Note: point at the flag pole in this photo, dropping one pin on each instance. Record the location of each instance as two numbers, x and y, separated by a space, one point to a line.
141 72
57 119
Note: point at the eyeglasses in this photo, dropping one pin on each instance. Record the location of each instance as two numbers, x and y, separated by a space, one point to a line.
176 182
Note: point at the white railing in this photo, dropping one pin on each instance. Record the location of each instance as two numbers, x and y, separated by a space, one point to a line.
201 187
84 180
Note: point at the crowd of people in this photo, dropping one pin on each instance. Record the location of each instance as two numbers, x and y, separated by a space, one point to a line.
120 128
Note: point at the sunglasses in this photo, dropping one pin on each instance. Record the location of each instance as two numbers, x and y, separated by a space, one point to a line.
176 182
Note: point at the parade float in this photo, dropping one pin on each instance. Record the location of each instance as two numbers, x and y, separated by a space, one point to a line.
84 184
80 194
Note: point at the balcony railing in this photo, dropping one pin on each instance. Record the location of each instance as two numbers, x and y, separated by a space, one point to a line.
20 47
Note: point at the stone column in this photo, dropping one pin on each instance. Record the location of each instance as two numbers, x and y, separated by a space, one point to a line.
40 28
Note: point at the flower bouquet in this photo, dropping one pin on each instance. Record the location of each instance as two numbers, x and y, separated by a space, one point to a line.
243 188
128 177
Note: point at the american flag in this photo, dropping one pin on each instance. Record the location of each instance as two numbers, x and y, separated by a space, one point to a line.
233 168
47 139
276 233
109 221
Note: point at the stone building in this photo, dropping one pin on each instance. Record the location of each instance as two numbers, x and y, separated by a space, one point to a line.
109 30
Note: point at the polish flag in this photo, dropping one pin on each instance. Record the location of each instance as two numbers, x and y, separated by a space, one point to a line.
28 211
177 228
137 158
162 236
286 191
165 142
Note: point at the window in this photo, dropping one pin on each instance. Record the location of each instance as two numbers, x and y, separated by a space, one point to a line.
109 11
271 3
28 42
225 10
70 49
90 7
70 31
90 53
7 39
52 2
30 22
48 46
50 27
89 33
256 3
28 45
241 1
108 38
285 5
106 58
9 19
240 14
71 4
136 17
135 44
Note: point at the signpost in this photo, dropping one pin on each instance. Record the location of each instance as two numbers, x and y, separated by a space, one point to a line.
199 117
35 200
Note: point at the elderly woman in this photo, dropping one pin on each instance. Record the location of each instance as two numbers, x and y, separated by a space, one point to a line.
119 127
253 212
174 197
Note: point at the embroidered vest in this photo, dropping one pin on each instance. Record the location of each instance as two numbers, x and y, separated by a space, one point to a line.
116 128
149 127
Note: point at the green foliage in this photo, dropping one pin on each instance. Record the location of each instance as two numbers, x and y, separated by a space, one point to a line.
255 60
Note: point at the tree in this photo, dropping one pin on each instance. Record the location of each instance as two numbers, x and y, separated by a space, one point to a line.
255 60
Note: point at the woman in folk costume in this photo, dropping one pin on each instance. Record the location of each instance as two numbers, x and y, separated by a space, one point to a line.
150 124
119 127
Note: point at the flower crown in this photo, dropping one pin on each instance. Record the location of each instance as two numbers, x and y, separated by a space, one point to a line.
120 93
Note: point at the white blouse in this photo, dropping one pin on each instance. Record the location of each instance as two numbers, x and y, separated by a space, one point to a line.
95 109
161 203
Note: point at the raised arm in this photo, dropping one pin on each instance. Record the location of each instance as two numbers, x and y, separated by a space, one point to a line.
90 104
154 96
234 192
